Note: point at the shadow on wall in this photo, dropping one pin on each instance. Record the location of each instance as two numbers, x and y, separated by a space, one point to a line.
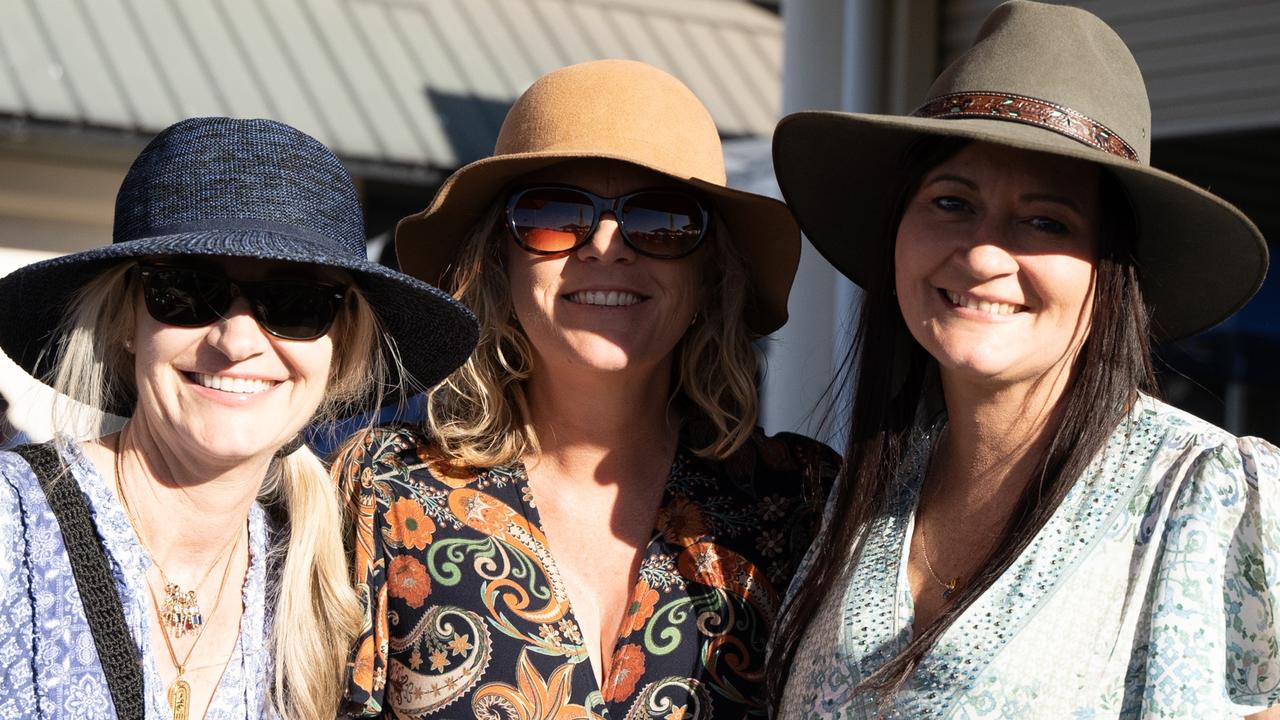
470 123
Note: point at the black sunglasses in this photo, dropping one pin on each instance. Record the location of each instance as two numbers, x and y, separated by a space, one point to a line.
290 309
552 219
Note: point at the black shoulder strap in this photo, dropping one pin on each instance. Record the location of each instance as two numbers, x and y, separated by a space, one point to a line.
116 648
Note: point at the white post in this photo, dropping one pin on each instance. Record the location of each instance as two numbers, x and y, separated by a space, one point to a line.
832 60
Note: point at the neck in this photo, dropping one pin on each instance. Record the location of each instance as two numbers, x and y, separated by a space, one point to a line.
185 506
596 425
995 438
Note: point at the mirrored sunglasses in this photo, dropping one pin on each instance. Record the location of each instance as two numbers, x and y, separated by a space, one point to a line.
552 219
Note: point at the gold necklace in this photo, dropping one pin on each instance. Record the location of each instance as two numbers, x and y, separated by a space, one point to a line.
179 694
948 588
180 613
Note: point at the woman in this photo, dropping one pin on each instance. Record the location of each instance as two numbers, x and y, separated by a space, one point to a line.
1022 529
206 577
588 522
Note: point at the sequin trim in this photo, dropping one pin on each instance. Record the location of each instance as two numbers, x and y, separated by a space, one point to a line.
970 645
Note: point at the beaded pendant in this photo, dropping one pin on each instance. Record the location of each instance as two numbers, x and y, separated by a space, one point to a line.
180 612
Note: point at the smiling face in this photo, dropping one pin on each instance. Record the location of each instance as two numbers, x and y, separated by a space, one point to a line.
602 307
995 259
227 391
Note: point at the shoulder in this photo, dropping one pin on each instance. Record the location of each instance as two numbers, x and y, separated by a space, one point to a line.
782 453
397 460
18 483
384 452
1205 456
785 463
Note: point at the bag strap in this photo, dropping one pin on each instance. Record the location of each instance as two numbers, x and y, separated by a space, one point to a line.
117 651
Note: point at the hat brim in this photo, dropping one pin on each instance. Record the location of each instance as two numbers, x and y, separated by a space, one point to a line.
761 227
1199 258
431 333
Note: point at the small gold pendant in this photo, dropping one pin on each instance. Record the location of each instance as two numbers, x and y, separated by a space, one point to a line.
951 588
180 699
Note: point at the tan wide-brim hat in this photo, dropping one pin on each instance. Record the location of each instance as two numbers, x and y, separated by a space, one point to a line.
1039 77
614 110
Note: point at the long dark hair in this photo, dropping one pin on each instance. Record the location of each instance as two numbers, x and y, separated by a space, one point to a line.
893 374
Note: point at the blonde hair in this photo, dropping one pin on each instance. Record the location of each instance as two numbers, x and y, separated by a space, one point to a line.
479 415
317 613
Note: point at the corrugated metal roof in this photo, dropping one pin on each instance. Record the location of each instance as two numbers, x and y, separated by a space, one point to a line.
410 83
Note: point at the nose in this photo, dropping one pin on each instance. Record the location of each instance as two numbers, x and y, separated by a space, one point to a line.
238 335
606 244
988 255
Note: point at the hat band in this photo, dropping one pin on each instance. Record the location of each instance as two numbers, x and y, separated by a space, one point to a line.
1031 111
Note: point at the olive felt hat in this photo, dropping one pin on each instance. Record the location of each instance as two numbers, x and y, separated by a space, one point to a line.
614 110
1045 78
254 189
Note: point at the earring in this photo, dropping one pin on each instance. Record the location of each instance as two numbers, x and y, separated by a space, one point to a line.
695 318
128 345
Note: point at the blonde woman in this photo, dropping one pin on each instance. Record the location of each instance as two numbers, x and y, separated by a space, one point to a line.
191 565
589 523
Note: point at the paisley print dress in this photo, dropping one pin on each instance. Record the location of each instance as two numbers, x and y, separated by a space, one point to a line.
1151 592
466 615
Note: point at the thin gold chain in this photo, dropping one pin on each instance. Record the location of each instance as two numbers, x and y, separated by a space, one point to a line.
137 525
217 602
947 587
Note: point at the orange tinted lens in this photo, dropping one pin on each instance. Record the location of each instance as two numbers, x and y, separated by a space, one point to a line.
664 224
548 240
552 219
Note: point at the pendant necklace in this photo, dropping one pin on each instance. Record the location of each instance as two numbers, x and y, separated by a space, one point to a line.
179 694
180 612
948 587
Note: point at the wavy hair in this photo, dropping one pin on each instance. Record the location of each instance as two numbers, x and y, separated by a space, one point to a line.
479 415
317 613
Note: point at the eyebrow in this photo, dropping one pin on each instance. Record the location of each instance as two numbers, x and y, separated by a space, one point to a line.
1043 197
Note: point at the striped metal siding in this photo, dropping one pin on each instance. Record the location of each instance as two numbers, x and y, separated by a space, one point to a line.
1210 65
399 82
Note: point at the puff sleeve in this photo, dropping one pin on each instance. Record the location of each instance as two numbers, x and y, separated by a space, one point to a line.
1213 606
1251 582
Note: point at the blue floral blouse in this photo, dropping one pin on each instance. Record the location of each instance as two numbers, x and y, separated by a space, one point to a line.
1151 593
48 663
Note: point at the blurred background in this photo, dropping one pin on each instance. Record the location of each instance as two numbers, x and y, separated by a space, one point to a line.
406 91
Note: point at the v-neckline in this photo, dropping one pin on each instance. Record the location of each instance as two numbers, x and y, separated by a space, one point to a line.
125 550
533 516
878 599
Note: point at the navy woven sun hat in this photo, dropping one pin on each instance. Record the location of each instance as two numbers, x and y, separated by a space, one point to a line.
245 189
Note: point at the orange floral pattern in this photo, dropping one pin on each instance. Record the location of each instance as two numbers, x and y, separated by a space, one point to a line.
466 616
408 524
643 600
624 672
681 521
408 580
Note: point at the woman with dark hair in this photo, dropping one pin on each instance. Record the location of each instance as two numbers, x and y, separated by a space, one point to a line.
589 524
1022 529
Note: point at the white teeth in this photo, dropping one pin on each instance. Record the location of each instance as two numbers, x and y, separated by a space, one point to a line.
242 386
600 297
991 308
